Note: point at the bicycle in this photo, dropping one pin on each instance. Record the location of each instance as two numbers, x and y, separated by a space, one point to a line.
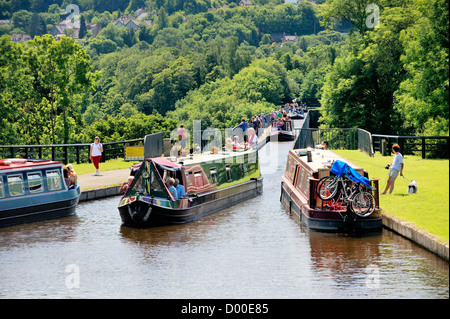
362 202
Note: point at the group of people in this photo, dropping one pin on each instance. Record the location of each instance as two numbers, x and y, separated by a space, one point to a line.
250 141
295 107
279 119
175 188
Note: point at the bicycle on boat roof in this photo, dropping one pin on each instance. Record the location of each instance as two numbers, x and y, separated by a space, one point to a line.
361 201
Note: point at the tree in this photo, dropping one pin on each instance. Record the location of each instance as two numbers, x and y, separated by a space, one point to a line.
162 21
359 90
423 97
351 11
83 29
13 85
62 80
21 19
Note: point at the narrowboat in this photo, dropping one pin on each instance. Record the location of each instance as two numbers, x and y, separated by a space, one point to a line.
33 190
211 181
298 194
283 132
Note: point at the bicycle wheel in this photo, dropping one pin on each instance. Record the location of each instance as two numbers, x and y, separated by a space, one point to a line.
327 187
363 204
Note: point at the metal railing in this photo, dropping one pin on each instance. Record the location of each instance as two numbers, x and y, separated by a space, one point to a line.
425 146
66 153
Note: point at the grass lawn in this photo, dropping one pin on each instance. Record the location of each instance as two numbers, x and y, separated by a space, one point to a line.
429 207
110 165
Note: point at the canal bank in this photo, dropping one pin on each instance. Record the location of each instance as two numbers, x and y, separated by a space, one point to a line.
420 237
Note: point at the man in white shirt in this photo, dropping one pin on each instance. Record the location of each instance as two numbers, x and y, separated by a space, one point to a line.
396 168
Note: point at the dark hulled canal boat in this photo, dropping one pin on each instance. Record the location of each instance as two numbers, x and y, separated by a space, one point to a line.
33 190
299 197
282 133
211 182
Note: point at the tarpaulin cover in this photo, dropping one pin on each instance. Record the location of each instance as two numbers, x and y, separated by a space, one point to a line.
341 168
165 163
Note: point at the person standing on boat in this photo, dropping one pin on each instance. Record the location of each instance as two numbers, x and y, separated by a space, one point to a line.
396 167
95 153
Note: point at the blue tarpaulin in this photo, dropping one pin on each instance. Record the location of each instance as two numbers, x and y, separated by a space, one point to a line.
341 168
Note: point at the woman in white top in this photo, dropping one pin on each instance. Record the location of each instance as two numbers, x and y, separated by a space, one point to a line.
95 153
396 168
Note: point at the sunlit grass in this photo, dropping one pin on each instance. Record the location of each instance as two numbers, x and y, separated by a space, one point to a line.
110 165
428 209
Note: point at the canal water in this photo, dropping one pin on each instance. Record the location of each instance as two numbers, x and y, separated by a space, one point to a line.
252 250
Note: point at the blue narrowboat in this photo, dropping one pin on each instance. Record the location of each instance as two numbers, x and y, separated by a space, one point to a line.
33 190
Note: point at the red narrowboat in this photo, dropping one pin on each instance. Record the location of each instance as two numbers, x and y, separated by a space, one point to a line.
303 171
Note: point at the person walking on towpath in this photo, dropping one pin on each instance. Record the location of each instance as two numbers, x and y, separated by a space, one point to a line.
95 153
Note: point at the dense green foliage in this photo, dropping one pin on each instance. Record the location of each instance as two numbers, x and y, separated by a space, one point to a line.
394 79
220 65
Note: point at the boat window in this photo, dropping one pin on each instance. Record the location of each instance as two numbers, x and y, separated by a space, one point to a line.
228 171
138 184
188 177
2 192
213 174
288 164
155 185
301 178
307 184
15 183
35 182
198 178
292 170
54 180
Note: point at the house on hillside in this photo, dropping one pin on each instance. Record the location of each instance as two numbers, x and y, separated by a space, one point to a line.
127 21
289 38
245 3
94 28
20 37
66 27
72 29
140 14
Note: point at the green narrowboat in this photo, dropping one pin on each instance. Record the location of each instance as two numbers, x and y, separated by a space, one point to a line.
211 182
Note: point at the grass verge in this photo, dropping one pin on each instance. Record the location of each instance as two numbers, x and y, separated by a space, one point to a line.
110 165
428 209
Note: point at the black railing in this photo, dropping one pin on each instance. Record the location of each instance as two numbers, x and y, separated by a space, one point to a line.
66 153
337 138
425 146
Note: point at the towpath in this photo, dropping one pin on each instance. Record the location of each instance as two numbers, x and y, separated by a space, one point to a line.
105 179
